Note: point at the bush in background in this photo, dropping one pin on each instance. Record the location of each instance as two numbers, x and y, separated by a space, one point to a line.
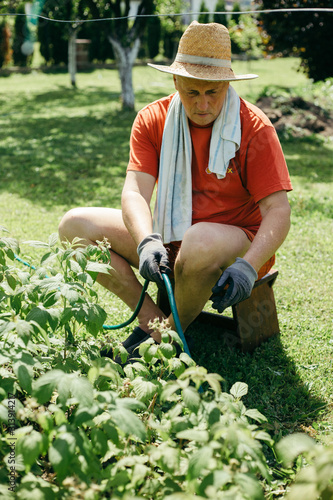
306 34
5 49
21 35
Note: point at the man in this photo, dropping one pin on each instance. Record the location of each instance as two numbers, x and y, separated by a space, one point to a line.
222 209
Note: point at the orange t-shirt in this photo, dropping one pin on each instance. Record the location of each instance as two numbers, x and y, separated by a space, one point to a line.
258 169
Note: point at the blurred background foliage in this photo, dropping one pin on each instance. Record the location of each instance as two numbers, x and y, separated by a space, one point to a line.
303 34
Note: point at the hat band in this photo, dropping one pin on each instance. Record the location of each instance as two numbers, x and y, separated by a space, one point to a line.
203 61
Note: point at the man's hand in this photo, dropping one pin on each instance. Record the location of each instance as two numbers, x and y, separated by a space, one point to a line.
240 277
153 258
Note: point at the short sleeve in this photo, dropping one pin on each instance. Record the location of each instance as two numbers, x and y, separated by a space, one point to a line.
143 154
264 169
146 137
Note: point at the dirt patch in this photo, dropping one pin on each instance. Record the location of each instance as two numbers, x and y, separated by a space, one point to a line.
297 117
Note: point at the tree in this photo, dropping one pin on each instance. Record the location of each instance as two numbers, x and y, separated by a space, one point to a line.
306 34
124 34
58 40
220 18
172 24
245 36
22 45
153 36
204 16
53 36
5 50
236 8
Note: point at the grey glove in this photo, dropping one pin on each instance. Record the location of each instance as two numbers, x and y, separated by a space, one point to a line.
240 277
153 258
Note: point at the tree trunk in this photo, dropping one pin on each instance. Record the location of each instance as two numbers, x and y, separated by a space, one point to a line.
72 57
125 57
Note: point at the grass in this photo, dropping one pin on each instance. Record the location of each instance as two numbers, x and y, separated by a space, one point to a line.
62 148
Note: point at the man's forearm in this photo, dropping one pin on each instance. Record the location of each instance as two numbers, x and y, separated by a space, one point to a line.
273 230
136 215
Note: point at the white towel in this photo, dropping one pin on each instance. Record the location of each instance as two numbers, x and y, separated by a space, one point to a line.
173 209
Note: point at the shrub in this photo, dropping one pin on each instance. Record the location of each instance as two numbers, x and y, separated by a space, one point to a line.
5 50
21 35
220 18
75 425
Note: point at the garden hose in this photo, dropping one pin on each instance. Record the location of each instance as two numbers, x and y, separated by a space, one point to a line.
135 313
171 298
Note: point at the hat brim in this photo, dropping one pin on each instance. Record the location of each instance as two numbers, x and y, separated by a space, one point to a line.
200 72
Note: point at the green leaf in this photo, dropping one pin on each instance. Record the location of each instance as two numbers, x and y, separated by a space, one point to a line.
186 359
214 416
145 389
214 380
97 267
53 317
177 366
199 461
61 453
291 446
308 491
131 404
256 415
46 256
191 399
53 239
128 422
75 267
24 328
35 488
11 280
167 350
64 392
200 436
30 446
217 479
169 390
37 244
249 486
81 258
45 385
99 441
70 293
24 375
82 390
39 315
96 317
50 298
169 460
239 389
16 303
85 415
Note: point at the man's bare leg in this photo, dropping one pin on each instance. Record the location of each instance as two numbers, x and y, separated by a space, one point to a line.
94 224
207 249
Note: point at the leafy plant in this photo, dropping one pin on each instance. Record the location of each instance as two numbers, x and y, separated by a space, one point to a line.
245 36
315 480
87 425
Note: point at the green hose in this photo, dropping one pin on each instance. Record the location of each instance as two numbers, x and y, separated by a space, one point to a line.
174 312
135 313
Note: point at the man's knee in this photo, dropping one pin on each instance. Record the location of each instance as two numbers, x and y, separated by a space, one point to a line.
197 251
69 226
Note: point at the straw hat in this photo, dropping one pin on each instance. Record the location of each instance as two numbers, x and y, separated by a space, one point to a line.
204 53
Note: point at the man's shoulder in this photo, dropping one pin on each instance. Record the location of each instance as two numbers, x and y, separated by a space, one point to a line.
157 109
253 116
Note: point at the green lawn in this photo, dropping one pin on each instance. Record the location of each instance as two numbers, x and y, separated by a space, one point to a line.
61 148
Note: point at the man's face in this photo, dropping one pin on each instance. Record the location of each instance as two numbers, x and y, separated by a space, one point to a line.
201 99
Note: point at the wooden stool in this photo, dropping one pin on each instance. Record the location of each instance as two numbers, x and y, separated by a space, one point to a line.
254 320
